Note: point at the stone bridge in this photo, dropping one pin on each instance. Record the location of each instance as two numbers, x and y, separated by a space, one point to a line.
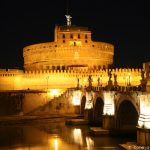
122 109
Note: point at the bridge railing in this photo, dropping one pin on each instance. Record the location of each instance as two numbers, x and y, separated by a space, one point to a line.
120 88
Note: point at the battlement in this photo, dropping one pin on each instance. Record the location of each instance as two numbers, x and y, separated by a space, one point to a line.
10 72
85 72
82 70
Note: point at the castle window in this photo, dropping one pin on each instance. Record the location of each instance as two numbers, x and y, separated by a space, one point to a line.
63 67
74 43
63 41
86 41
78 36
53 67
86 36
99 67
63 36
47 67
94 67
104 67
55 45
58 67
71 36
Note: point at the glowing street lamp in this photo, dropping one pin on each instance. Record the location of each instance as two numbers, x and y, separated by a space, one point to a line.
76 100
129 75
47 78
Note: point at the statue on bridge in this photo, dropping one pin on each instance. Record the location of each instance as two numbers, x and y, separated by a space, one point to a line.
143 81
78 83
90 81
115 80
110 79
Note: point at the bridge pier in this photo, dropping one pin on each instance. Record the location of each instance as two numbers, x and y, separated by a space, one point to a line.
108 122
143 136
143 128
88 115
77 109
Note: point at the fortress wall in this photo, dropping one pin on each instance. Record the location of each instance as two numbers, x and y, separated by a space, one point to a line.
32 101
124 76
43 79
40 56
10 79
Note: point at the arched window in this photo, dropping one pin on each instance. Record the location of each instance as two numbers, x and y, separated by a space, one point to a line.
63 36
78 36
71 36
53 67
86 36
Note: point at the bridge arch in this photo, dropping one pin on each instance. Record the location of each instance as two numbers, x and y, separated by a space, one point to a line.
132 98
98 111
126 115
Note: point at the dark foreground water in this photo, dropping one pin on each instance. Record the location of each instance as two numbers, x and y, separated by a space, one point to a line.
53 134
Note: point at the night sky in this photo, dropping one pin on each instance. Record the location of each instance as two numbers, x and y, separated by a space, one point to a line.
124 23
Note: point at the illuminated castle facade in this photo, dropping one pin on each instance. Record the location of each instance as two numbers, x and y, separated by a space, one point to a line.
68 62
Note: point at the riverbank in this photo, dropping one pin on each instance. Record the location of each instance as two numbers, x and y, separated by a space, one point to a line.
15 119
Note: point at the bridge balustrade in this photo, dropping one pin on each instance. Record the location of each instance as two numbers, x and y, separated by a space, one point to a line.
120 88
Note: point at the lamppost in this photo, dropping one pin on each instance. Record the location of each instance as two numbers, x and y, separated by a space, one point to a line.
78 82
100 79
47 78
129 74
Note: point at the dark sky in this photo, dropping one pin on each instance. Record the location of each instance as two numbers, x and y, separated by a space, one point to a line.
124 23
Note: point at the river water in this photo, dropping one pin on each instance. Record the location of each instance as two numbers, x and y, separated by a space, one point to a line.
53 134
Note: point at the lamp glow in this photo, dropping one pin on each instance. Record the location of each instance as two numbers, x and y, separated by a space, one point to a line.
89 100
76 100
78 136
109 103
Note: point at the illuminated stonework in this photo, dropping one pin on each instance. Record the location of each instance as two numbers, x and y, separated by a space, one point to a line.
76 100
144 118
109 103
67 63
72 47
89 100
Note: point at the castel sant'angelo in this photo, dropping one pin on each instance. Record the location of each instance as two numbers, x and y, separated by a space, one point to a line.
68 62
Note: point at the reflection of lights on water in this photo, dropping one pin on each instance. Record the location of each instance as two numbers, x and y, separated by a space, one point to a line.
56 144
77 134
89 142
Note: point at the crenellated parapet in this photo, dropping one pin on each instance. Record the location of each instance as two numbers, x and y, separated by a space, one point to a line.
10 79
70 77
127 76
10 72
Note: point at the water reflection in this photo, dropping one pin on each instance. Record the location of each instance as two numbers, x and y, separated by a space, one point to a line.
90 143
77 134
53 135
